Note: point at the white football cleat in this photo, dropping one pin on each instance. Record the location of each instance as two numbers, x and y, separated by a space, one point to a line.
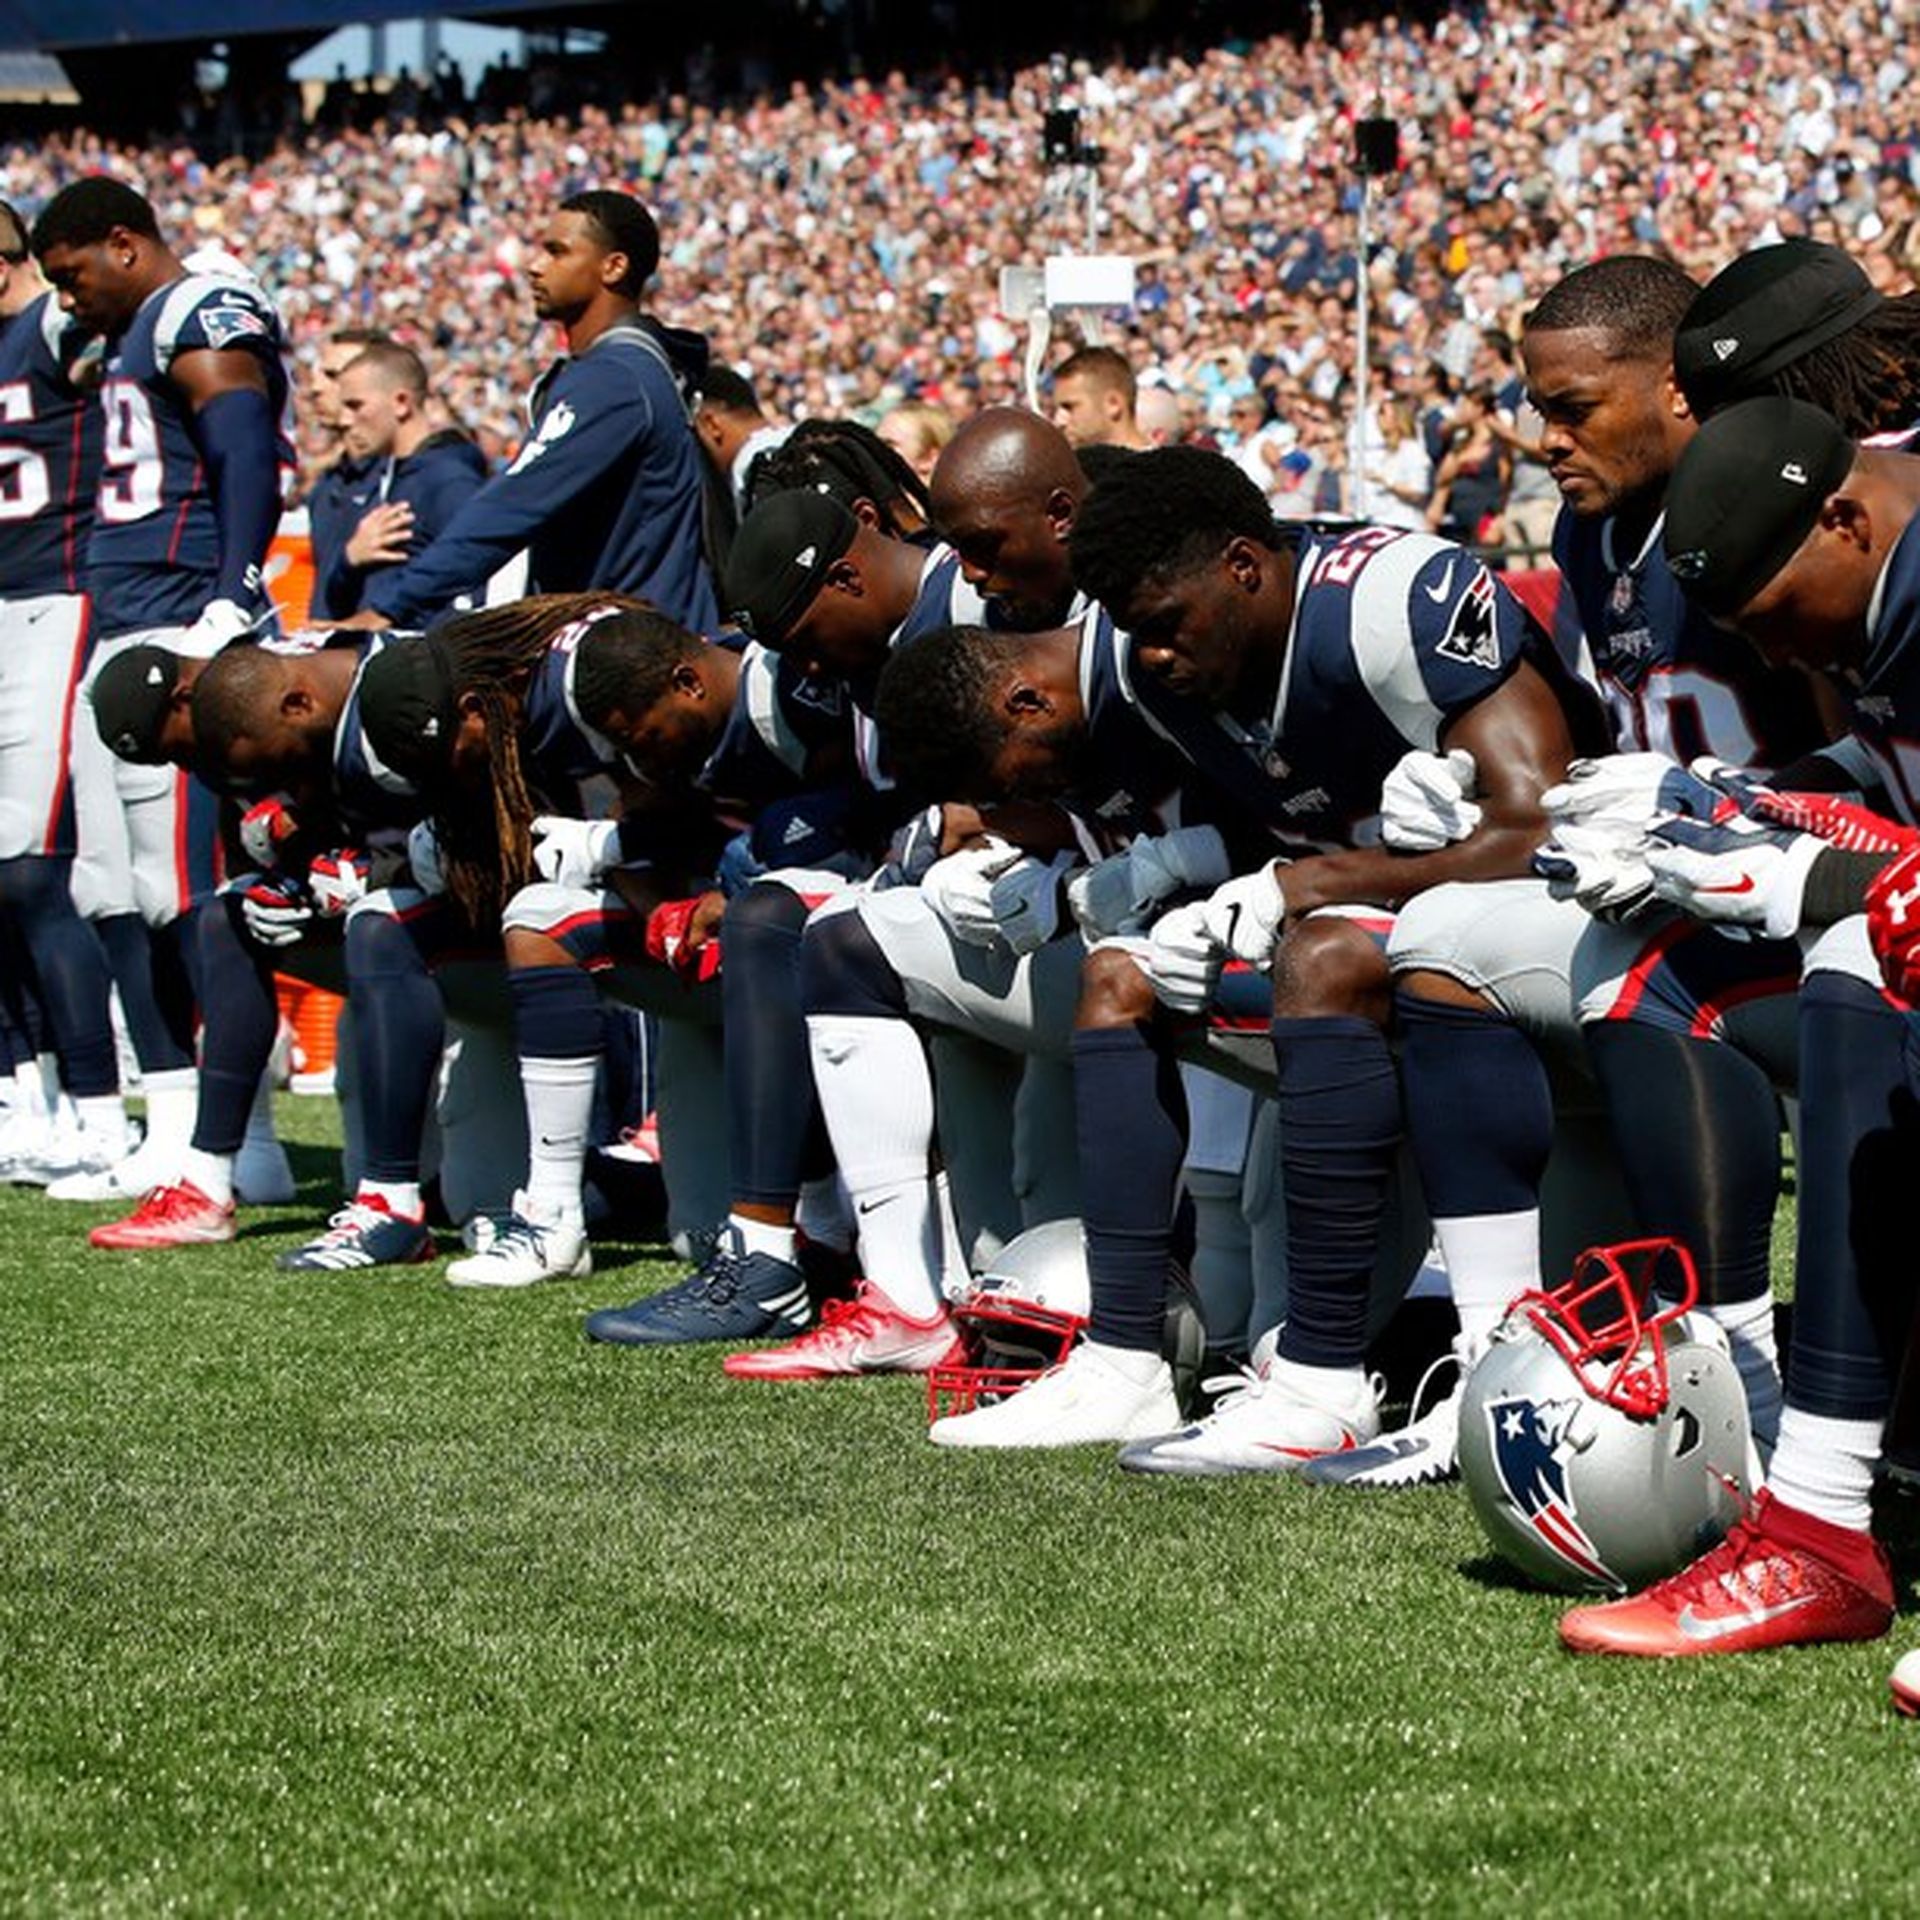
1271 1423
78 1155
1421 1454
1081 1402
26 1134
533 1245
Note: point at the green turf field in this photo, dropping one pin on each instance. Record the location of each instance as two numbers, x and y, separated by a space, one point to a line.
350 1595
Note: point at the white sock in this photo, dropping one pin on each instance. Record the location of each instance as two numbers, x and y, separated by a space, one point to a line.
1825 1467
101 1113
172 1099
825 1214
877 1094
559 1110
1748 1325
1133 1364
402 1197
42 1075
1492 1258
1325 1386
212 1173
757 1237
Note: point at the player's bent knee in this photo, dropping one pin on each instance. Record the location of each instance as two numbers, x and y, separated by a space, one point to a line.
1113 991
842 970
1331 966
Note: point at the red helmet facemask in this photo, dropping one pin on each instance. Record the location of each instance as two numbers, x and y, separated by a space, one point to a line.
1009 1341
1598 1321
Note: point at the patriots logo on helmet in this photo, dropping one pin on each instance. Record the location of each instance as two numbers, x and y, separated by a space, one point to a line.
1530 1455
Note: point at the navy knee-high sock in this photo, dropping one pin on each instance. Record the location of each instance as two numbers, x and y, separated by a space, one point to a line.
556 1013
1339 1130
1859 1145
149 981
400 1031
1131 1126
70 967
243 1017
778 1138
1479 1110
1697 1128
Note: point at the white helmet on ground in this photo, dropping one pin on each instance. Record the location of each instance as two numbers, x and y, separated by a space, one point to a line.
1603 1434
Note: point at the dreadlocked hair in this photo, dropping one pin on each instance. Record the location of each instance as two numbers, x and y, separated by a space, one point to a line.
931 707
848 461
627 663
1159 514
487 856
1868 378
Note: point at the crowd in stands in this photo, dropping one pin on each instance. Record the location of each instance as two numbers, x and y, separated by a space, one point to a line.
840 244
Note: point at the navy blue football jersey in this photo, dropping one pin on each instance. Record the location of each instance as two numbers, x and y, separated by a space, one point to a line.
1674 682
944 599
154 556
1887 703
1395 636
1130 778
781 725
49 453
606 492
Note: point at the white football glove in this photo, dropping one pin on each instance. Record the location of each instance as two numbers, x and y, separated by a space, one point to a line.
275 910
1181 958
423 858
337 880
220 621
574 853
265 827
1119 894
960 889
1244 916
1426 802
1026 902
1598 868
1625 793
1734 873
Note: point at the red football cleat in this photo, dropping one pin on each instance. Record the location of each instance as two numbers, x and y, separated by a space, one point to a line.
1781 1578
867 1334
175 1216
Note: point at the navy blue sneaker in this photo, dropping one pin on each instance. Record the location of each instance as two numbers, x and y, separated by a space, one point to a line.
734 1295
364 1233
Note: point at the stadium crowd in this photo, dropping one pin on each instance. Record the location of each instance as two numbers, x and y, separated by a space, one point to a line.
840 246
1062 862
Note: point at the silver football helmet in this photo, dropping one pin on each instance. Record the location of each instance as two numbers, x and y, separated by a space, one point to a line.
1023 1314
1603 1433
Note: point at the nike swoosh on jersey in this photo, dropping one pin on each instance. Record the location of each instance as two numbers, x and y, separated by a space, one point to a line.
1695 1627
1438 595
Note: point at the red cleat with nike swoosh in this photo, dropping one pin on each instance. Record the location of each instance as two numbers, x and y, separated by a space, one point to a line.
1781 1578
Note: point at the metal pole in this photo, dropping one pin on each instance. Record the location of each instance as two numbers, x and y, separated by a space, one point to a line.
1357 492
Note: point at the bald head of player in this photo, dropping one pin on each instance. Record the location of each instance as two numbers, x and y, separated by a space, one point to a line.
100 245
1004 495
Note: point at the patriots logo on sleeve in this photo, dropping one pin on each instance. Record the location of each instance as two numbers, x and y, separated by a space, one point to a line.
1530 1455
556 426
231 317
1471 637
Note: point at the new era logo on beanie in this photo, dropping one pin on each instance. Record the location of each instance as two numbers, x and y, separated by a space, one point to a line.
1768 309
132 695
1746 493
